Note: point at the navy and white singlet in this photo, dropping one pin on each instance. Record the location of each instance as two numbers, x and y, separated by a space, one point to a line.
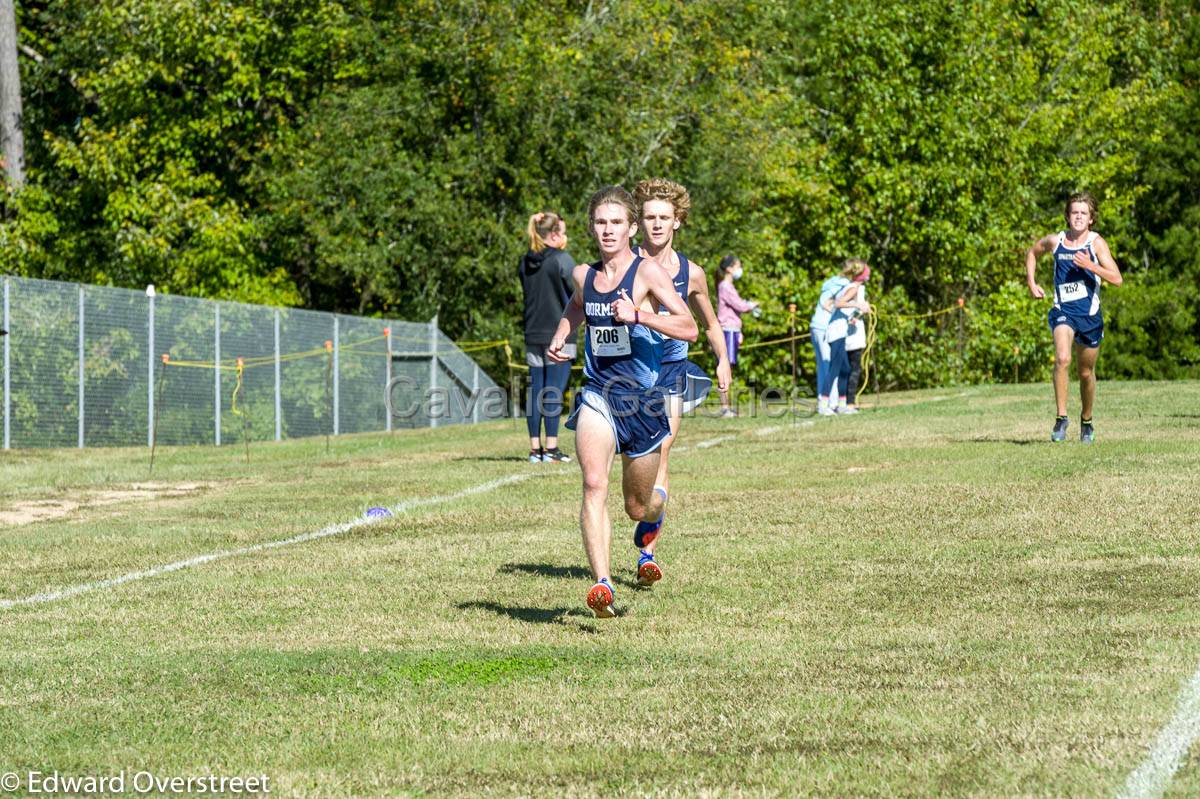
1076 290
621 364
1076 293
673 349
617 356
679 376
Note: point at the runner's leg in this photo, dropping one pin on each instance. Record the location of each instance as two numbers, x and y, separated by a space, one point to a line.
595 447
1085 362
1064 338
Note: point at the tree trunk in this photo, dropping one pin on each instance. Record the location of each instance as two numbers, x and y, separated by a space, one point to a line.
12 140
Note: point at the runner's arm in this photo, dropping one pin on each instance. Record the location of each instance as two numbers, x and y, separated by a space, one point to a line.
1106 268
1043 245
701 305
572 317
679 325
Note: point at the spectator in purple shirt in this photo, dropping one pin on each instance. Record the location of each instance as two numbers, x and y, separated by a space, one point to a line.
730 307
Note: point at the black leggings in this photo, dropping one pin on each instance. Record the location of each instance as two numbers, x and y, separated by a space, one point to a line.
855 357
545 400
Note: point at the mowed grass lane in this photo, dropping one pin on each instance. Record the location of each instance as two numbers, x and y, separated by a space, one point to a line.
926 599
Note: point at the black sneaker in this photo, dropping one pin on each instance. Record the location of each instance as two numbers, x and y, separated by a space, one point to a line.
1059 433
535 455
555 455
1087 434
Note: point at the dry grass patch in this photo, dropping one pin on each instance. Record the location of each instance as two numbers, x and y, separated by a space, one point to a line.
31 511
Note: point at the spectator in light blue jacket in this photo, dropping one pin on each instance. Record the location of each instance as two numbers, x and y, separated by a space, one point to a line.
828 329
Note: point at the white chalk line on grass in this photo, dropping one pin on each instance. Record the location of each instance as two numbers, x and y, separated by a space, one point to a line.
766 431
712 442
1152 777
324 532
924 400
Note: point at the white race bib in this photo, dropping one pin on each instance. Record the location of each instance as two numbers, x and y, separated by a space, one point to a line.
610 342
1069 292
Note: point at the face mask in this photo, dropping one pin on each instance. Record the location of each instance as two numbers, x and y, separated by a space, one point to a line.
737 273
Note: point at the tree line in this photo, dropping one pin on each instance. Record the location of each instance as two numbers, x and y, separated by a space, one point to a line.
381 158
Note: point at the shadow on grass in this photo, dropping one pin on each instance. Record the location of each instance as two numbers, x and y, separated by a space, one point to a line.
1018 441
495 458
547 570
564 572
529 615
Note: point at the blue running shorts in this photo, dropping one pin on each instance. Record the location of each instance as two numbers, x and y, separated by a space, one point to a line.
1089 330
638 418
686 380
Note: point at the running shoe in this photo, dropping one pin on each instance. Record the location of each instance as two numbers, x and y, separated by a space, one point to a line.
1059 433
648 571
1087 433
556 455
843 410
600 600
645 532
536 456
728 413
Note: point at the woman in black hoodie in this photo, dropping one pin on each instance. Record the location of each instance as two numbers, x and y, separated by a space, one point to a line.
546 279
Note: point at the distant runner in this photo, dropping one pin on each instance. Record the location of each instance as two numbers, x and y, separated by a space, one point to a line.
1082 262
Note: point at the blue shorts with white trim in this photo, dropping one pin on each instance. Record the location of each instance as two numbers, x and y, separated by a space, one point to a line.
638 418
686 380
1089 330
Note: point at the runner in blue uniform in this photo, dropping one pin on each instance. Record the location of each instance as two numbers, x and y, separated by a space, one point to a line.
664 207
1082 261
619 409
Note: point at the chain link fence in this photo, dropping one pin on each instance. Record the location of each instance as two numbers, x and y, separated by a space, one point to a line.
87 366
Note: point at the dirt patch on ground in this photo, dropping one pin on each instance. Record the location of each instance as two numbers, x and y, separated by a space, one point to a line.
39 510
861 469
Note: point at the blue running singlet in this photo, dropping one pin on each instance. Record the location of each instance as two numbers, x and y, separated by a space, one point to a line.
617 356
673 349
1076 290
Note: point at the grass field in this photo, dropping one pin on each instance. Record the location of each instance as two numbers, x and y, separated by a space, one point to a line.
928 599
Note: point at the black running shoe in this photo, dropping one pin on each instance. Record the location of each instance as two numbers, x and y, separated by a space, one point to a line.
1087 433
1059 433
556 455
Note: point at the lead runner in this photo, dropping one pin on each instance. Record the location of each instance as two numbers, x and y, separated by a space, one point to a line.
1082 262
619 409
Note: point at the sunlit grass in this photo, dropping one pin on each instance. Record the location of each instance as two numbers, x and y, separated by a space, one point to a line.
926 599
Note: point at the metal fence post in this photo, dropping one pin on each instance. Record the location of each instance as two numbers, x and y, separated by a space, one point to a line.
433 367
217 375
150 370
278 403
80 367
7 370
387 402
337 399
475 393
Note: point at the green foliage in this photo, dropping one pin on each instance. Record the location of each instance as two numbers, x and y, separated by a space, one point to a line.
381 158
146 118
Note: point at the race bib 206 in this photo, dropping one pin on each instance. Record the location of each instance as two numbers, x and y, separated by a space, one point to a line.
610 342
